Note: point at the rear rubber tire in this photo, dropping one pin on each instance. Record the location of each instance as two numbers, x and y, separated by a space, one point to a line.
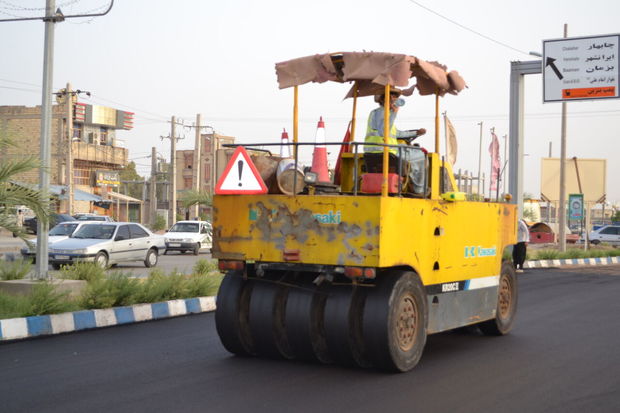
267 319
231 314
305 308
343 325
507 298
395 321
595 242
56 266
196 250
151 258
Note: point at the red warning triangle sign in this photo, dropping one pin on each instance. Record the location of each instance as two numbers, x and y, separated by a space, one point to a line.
240 176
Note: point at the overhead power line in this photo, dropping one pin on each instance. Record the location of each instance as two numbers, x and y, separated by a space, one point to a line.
468 29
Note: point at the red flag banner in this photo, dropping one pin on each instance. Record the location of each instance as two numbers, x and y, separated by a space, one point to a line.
495 161
343 149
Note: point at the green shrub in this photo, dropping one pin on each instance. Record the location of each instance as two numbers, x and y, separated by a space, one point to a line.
85 271
161 287
204 267
14 270
159 224
46 300
547 255
13 306
199 285
573 253
118 289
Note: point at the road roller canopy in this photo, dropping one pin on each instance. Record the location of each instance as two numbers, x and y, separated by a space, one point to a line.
371 71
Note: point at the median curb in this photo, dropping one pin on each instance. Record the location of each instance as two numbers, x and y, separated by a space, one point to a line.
571 261
27 327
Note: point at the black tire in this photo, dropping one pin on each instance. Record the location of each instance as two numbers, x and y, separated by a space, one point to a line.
165 252
101 259
344 310
196 249
395 321
56 266
305 307
267 320
507 298
595 242
231 314
151 258
182 251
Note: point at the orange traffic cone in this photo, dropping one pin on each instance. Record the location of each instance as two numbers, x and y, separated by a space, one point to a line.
319 156
285 149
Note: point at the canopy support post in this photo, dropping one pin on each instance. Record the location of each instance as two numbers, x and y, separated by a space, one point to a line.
437 122
295 120
386 135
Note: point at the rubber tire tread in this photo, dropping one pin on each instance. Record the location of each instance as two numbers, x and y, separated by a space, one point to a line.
147 263
305 308
231 314
380 314
497 326
266 319
343 325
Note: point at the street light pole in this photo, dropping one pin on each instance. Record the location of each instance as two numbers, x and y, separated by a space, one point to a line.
562 229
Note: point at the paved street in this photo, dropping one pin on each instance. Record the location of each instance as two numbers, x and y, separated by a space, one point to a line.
560 357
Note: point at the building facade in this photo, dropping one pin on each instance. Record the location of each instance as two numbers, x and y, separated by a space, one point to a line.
96 154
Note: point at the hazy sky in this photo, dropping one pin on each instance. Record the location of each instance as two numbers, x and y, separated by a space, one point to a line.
163 58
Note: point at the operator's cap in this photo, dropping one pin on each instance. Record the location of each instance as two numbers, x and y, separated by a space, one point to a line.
393 91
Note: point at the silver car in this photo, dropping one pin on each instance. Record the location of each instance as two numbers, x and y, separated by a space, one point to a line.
108 243
60 232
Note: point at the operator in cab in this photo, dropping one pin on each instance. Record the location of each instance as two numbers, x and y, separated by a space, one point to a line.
412 159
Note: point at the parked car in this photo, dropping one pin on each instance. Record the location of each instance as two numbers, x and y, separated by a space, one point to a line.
108 243
92 217
188 236
31 223
608 233
60 232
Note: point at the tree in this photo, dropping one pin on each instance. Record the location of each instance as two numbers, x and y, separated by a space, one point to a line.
129 173
12 195
201 198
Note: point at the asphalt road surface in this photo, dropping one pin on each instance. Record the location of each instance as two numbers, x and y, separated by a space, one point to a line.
562 356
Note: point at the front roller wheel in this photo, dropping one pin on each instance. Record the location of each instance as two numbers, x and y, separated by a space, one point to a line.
231 314
506 304
395 320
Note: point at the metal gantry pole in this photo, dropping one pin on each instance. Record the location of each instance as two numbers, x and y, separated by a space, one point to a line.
69 167
197 163
46 144
172 217
562 224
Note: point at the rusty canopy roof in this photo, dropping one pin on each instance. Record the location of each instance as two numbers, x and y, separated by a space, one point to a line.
372 71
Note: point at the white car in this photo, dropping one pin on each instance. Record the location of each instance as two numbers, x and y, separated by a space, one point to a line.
60 232
108 243
188 236
608 233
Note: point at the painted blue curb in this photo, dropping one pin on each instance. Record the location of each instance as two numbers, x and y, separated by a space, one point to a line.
25 327
572 261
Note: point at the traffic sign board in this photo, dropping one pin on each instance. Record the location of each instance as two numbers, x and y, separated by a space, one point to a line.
240 176
581 68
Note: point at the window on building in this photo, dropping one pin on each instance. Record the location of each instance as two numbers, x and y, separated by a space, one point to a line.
81 176
78 132
103 136
187 183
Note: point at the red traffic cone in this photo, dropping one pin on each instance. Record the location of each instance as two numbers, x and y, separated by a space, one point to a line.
285 149
319 156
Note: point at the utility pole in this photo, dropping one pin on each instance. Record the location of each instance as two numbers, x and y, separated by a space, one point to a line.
562 229
172 198
480 160
197 164
69 167
46 125
153 187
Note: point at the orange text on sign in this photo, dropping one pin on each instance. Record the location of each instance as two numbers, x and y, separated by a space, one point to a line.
588 92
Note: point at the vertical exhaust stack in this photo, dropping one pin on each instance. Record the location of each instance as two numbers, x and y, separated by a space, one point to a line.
319 156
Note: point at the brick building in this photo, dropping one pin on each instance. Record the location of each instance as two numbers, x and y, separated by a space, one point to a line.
97 154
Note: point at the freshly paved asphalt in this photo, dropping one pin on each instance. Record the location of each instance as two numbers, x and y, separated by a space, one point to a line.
562 356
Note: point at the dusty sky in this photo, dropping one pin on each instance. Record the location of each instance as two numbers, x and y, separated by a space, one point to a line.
161 58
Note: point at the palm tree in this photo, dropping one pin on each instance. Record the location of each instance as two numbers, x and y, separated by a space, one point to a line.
13 195
192 197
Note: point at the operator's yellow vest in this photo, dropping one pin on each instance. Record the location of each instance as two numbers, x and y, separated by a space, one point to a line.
375 136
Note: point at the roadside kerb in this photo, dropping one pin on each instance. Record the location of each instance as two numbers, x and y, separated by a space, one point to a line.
571 261
27 327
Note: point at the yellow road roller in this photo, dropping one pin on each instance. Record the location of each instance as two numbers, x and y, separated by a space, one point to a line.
359 271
